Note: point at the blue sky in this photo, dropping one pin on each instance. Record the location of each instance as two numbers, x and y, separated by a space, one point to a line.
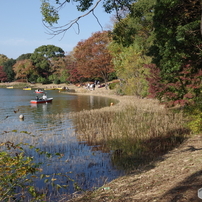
22 30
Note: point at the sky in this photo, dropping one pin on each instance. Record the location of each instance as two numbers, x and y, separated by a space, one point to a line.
22 30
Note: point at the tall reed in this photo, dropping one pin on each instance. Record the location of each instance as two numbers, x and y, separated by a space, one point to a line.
131 131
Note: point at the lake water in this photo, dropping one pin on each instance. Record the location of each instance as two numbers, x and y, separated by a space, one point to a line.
44 128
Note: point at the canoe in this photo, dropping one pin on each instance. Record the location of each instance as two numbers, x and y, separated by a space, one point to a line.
61 88
27 88
9 87
41 101
39 91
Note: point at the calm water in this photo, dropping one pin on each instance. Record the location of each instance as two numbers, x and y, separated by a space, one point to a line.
46 127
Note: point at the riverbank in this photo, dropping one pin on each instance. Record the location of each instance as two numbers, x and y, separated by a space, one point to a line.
175 176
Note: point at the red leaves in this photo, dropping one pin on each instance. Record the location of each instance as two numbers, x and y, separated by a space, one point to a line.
93 57
181 90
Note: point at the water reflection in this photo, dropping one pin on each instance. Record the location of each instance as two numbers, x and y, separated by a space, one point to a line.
48 128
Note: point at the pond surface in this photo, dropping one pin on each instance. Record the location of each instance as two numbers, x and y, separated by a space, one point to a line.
47 127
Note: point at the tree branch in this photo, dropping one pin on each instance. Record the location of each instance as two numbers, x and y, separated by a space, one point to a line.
57 30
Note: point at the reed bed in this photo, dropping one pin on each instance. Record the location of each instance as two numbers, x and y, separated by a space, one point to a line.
131 131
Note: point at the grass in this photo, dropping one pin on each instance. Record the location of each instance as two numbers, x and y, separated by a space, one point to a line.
132 133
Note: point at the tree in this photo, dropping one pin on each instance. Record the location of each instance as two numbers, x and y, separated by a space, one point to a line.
132 36
93 58
181 91
51 16
177 49
24 69
136 26
129 65
24 56
72 74
8 69
3 58
3 76
42 57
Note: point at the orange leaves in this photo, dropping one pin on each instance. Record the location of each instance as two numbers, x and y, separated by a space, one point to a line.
93 57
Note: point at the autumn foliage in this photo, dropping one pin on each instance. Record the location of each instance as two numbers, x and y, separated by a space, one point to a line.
3 76
93 57
182 90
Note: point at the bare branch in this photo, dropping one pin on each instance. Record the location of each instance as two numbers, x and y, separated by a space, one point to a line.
63 29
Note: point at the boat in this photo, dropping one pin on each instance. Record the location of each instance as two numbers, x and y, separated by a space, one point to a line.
27 88
10 87
61 88
39 91
39 101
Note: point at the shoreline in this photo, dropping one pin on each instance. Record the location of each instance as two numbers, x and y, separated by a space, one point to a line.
125 100
175 176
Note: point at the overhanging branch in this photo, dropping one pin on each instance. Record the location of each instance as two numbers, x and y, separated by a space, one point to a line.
57 30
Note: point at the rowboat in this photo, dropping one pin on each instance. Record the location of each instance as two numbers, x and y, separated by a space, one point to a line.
10 87
39 91
27 88
39 101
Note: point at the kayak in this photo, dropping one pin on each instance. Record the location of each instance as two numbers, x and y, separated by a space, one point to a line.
41 101
27 88
39 91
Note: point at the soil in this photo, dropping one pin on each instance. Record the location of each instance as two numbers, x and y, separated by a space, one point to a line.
175 176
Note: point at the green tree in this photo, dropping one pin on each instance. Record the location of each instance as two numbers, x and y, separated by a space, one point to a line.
177 49
8 69
136 26
3 58
132 36
24 56
42 57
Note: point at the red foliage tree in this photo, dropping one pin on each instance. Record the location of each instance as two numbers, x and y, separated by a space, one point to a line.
183 89
93 58
3 75
71 66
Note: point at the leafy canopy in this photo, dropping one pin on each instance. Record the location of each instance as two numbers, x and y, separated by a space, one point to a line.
93 57
177 50
42 57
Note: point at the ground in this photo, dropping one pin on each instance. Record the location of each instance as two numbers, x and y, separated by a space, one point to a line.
175 176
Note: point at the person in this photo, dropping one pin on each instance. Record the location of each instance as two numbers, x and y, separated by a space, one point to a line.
44 97
93 86
88 86
37 97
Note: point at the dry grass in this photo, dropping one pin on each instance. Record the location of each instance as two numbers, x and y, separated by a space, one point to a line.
131 131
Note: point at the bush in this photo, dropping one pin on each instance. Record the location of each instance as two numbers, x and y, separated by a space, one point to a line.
15 170
19 172
57 81
112 86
